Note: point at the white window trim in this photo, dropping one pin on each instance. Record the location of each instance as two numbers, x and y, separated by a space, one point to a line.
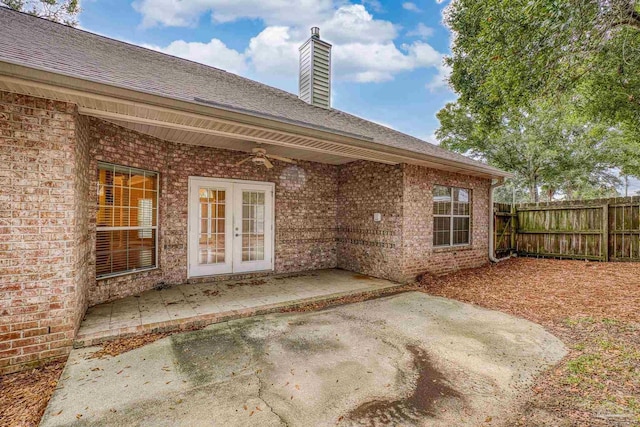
153 227
452 216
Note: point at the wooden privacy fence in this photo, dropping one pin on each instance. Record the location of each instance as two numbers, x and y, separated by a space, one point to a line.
601 230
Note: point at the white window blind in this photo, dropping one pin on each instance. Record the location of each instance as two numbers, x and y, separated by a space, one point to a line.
127 220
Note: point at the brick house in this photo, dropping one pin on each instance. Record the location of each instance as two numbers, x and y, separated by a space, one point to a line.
122 168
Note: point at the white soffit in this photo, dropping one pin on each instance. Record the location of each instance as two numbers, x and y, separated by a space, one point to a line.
133 113
206 140
214 131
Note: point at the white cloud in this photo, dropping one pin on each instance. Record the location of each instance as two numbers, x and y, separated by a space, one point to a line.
352 23
183 13
274 51
421 31
214 53
380 62
441 80
363 49
411 7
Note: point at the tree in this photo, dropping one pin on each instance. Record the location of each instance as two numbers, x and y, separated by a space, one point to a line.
548 148
63 11
508 54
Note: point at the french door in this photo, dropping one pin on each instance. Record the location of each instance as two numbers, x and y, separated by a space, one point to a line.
230 226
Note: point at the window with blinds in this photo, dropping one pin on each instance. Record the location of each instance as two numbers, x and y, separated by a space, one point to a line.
127 220
451 216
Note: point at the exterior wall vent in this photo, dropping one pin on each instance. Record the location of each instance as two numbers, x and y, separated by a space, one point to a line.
315 71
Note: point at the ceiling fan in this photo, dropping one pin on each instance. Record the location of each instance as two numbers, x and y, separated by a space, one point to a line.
259 156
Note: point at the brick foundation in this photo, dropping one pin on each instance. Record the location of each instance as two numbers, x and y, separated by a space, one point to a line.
323 219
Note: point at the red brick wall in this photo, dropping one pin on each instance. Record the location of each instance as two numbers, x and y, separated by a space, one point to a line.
84 218
305 204
324 219
43 269
366 246
418 252
401 246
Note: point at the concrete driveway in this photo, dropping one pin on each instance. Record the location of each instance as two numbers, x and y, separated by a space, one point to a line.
410 359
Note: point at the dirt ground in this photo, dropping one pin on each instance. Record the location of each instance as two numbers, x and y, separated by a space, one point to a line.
593 307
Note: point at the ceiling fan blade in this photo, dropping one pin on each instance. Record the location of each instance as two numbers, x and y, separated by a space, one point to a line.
244 160
267 163
282 159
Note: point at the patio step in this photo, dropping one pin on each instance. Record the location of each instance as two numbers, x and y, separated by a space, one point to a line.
87 337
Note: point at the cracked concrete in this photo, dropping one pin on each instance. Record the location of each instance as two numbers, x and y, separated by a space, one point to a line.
410 359
282 421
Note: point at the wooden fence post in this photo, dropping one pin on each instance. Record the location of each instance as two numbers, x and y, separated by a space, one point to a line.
514 227
605 233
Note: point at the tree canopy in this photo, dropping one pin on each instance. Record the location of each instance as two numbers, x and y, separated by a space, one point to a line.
506 54
63 11
549 149
548 89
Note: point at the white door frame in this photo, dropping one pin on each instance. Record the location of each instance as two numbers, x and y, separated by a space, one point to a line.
233 243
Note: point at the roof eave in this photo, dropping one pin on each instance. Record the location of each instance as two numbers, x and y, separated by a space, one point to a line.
19 73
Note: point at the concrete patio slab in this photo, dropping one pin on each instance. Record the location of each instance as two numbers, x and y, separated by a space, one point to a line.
183 306
409 359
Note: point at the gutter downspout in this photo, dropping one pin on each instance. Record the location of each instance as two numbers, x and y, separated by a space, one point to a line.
492 257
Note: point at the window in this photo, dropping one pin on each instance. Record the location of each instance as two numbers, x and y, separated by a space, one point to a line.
451 216
127 220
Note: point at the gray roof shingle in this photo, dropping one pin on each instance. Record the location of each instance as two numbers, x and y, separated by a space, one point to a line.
37 43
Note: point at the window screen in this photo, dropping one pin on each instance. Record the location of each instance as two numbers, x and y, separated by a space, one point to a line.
127 220
451 216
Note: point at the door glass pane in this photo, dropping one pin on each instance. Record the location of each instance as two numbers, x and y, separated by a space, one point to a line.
211 232
253 225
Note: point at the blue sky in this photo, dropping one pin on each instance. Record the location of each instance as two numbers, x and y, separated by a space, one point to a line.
387 55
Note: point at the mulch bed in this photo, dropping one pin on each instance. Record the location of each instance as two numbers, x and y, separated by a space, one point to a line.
24 395
594 308
122 345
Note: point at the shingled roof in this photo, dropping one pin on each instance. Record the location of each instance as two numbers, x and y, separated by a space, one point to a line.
44 45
